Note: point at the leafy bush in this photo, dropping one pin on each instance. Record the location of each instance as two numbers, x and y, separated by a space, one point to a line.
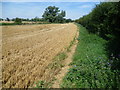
104 21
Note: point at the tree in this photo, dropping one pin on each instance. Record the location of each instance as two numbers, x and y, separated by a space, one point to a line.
13 19
36 19
52 14
27 19
18 21
7 19
68 20
1 19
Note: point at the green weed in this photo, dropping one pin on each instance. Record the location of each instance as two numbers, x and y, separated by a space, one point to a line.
57 61
40 84
44 84
91 67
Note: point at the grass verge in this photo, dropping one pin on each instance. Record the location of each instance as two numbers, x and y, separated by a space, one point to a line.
91 67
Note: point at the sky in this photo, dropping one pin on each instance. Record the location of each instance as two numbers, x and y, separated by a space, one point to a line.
74 10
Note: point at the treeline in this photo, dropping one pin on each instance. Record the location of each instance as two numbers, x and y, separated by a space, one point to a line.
51 14
104 20
23 19
36 19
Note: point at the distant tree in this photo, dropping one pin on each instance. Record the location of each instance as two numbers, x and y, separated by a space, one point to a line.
13 19
41 19
23 19
27 19
52 14
36 19
68 20
18 21
7 19
1 19
32 19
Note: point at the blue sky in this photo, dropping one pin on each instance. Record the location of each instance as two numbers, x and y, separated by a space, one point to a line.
74 10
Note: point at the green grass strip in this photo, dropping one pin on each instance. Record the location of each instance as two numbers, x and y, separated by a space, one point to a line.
90 66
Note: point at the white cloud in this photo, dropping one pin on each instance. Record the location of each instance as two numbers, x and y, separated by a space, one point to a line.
85 6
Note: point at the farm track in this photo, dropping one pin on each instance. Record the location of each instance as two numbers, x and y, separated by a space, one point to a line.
27 51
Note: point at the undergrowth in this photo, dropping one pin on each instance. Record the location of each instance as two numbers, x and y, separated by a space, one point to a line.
91 67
